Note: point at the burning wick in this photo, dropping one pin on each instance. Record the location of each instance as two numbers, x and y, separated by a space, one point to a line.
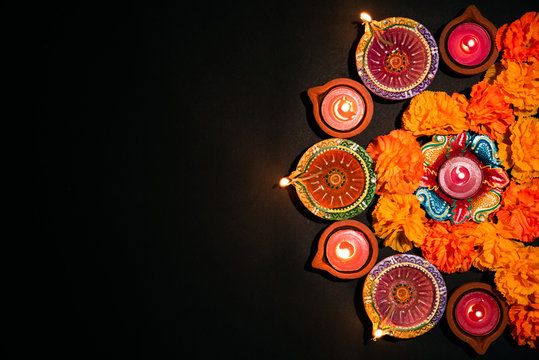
284 182
375 28
378 334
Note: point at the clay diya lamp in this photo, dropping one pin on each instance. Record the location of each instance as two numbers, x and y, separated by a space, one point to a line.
468 43
334 179
396 58
347 249
404 296
342 107
463 178
477 314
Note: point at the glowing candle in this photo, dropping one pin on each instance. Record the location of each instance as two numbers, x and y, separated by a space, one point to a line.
347 250
469 44
343 108
460 177
477 313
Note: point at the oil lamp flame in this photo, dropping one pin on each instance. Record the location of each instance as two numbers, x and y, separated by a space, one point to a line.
378 334
365 17
284 182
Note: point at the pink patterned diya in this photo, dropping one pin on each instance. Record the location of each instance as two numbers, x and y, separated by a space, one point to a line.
404 296
347 249
477 314
463 179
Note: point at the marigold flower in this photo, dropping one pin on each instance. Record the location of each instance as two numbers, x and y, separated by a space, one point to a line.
525 324
400 220
519 82
521 150
488 112
494 247
436 113
450 247
519 281
398 162
520 210
520 39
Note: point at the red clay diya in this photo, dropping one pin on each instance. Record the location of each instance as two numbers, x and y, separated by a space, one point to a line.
467 43
477 315
342 107
334 179
347 249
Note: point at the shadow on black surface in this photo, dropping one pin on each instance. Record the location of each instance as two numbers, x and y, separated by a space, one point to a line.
311 121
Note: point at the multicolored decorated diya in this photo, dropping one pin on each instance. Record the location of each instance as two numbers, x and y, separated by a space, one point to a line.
347 249
404 296
463 179
396 58
334 179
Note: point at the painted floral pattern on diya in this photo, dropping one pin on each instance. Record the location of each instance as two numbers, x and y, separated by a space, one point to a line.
463 178
399 61
335 179
404 296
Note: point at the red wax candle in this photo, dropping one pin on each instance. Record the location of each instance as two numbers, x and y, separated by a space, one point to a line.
347 250
343 108
460 177
469 44
477 313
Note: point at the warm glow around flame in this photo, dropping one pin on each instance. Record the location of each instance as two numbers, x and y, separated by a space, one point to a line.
345 250
365 17
378 334
284 182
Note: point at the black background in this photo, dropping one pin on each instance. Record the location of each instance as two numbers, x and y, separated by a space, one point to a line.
161 132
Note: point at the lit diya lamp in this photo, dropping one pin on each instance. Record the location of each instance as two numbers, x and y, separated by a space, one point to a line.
463 178
347 249
477 314
396 58
342 107
404 296
334 179
467 43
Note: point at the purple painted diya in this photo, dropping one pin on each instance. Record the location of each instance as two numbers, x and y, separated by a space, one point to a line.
462 179
396 58
404 296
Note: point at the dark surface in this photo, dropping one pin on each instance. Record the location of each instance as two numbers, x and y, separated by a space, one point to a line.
161 135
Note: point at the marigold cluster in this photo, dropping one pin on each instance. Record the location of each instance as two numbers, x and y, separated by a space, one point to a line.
519 281
398 162
525 320
520 39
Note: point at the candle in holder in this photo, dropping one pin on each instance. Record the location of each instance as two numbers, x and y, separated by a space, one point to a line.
477 313
347 249
460 177
342 107
467 43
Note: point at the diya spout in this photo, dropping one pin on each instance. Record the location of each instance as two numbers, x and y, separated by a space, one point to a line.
375 28
288 180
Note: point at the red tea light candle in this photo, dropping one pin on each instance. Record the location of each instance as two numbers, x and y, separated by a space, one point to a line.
460 177
342 107
347 250
477 313
469 44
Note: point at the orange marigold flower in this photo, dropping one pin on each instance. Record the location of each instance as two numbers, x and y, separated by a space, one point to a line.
525 324
519 281
488 112
519 82
520 210
520 39
521 150
400 220
433 112
494 247
399 162
450 247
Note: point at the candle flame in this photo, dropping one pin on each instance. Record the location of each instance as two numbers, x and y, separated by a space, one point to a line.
284 182
378 334
365 17
478 314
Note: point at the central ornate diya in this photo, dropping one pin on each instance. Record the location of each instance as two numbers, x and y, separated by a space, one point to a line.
334 179
396 58
462 179
404 296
